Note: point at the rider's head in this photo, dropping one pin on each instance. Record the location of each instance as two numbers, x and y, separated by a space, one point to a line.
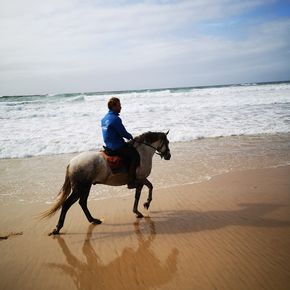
114 104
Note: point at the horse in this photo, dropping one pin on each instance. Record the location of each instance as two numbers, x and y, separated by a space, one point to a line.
91 168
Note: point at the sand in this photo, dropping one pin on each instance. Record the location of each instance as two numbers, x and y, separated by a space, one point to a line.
231 232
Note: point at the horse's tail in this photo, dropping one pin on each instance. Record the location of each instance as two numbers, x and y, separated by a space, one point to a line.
62 196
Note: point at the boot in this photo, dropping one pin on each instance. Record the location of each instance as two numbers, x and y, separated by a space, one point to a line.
132 183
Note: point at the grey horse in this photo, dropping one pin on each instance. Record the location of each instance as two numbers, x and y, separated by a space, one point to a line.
90 168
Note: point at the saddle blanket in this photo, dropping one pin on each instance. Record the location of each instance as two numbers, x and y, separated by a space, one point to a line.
115 162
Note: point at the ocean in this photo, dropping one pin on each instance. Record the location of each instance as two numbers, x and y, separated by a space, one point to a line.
65 123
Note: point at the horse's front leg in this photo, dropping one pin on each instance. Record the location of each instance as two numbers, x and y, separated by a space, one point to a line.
137 197
149 199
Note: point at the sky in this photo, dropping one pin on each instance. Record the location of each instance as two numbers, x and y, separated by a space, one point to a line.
63 46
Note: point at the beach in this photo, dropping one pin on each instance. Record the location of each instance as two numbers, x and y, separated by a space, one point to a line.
203 87
219 219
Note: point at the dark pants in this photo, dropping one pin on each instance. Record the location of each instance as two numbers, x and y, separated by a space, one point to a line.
131 156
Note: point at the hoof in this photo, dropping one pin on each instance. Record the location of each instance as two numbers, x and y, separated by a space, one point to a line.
139 215
146 205
96 222
54 232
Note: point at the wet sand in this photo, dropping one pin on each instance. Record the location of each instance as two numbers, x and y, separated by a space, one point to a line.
231 232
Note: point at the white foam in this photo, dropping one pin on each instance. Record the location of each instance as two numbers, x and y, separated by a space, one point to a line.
54 124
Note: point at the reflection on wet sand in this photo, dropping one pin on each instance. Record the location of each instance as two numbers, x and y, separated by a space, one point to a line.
131 270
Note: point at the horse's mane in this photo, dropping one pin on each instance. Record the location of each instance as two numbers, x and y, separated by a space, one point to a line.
149 137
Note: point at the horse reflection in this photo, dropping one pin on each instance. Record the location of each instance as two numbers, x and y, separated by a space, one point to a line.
132 269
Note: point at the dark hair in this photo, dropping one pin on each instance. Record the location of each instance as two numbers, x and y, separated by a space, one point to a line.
113 102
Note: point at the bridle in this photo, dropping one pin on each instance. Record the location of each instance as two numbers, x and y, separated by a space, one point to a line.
156 150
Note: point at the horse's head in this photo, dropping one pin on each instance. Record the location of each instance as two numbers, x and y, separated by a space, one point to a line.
163 148
157 141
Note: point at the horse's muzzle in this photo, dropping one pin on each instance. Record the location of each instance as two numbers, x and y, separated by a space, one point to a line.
167 156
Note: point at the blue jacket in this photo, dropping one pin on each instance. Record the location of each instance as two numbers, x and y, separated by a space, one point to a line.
114 131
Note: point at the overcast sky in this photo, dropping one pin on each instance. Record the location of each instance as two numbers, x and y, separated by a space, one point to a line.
56 46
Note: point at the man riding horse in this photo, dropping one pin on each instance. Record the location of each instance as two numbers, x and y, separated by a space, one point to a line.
91 167
113 133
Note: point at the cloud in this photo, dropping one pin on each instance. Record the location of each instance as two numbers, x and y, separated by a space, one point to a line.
49 46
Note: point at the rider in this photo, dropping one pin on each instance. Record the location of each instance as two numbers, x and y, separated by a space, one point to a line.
113 133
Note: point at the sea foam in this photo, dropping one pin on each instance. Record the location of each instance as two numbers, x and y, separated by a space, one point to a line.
65 123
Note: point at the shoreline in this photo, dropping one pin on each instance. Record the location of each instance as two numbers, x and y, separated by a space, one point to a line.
38 179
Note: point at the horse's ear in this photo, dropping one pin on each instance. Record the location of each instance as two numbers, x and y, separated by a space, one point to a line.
167 132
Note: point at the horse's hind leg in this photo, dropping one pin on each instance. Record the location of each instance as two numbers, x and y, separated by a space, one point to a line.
83 203
65 207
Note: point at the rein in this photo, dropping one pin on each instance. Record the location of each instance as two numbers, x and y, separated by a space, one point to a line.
149 145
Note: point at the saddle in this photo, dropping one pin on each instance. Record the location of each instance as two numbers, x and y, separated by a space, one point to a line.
116 163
